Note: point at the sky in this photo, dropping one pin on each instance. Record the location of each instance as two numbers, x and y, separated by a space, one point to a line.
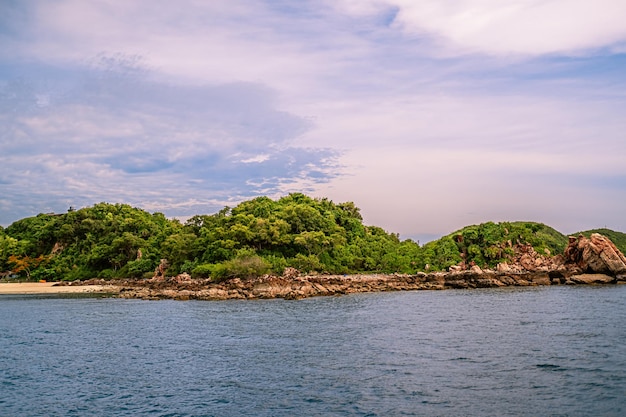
429 115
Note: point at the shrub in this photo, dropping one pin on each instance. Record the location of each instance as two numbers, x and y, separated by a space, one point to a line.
138 268
106 274
80 274
48 274
202 271
188 266
244 267
306 263
277 263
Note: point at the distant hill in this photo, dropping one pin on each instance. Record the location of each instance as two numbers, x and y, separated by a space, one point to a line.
489 243
618 238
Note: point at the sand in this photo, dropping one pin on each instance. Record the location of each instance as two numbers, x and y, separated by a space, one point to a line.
49 288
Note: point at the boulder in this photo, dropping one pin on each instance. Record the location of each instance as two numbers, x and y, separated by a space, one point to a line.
596 254
592 279
476 269
291 273
526 259
160 270
182 278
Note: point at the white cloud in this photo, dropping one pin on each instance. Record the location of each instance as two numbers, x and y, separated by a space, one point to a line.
527 27
113 137
256 159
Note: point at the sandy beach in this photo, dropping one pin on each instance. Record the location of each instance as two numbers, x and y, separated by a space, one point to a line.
50 288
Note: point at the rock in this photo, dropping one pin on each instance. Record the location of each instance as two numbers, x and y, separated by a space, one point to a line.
592 279
217 293
290 273
161 269
182 278
585 261
58 248
527 262
595 255
489 282
184 295
476 269
540 278
272 287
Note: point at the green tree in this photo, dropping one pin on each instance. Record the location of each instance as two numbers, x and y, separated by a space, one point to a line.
179 248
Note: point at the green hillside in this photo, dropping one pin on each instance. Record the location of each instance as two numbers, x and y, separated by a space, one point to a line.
256 237
489 243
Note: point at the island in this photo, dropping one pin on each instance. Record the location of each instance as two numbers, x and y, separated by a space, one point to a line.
293 247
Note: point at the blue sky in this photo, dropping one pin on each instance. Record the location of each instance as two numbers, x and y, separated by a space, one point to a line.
430 115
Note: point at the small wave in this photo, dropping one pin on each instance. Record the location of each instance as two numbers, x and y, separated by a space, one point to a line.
550 367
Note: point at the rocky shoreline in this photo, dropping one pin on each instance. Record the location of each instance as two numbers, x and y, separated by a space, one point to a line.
325 285
586 261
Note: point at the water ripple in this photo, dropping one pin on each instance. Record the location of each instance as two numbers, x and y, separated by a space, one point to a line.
500 352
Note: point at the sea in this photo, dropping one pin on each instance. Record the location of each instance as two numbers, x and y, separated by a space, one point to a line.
540 351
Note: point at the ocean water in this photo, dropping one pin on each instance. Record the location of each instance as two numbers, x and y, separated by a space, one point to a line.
543 351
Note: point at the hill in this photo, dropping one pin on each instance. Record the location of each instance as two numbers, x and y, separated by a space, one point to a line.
256 237
490 243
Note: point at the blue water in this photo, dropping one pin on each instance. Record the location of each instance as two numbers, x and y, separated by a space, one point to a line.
547 351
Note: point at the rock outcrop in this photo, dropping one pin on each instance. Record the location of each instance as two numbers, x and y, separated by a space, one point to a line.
526 259
596 254
161 270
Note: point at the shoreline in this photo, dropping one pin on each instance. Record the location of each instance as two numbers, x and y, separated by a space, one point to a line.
299 287
303 286
27 288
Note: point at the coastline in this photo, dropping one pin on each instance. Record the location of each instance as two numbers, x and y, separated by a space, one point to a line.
306 286
23 288
291 287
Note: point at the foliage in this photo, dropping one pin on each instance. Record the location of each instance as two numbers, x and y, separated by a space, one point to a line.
489 243
306 263
256 237
202 271
26 264
87 242
245 265
138 267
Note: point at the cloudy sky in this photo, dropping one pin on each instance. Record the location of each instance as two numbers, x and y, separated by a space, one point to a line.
429 114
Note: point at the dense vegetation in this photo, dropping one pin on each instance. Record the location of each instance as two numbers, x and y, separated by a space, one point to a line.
490 243
256 237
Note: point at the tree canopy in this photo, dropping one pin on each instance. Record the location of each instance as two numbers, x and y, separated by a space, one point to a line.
256 237
489 243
